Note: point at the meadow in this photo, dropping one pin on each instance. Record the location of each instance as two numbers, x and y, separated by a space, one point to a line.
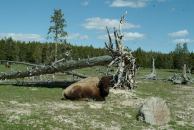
25 108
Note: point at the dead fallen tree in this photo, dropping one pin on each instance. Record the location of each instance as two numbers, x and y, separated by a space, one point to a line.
60 67
122 59
46 84
183 78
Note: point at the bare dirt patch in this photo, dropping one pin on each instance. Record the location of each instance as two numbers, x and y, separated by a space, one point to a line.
95 105
63 105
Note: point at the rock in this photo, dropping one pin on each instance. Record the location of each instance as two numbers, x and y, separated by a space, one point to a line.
154 111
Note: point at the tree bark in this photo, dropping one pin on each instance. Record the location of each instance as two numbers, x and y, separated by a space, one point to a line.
45 84
122 58
153 73
56 51
61 67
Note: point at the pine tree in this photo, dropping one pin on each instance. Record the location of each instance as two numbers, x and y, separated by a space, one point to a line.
56 30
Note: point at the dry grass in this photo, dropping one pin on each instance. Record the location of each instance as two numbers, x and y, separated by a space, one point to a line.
41 108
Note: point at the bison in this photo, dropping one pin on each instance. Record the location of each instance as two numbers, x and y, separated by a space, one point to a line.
89 88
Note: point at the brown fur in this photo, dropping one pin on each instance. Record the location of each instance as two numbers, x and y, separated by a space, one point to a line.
89 88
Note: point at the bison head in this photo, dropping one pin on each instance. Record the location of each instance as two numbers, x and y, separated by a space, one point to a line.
105 83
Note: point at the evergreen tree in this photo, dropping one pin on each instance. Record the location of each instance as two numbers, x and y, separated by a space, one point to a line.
56 30
180 55
41 53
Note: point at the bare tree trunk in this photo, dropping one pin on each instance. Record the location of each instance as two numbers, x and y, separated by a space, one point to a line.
56 52
153 66
181 78
61 67
46 84
185 71
122 58
153 73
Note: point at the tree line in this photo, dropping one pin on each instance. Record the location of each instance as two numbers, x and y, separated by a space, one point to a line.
44 53
173 60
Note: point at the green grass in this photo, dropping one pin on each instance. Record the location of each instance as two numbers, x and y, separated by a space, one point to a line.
27 108
13 68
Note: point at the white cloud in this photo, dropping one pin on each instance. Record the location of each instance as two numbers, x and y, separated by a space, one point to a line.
181 33
182 40
101 23
132 3
22 37
129 3
133 36
85 3
128 36
77 36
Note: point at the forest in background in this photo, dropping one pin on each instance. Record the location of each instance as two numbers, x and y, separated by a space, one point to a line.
43 53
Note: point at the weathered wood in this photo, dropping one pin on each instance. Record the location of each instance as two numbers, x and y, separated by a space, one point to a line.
181 78
58 61
154 111
122 58
61 67
153 73
44 84
185 71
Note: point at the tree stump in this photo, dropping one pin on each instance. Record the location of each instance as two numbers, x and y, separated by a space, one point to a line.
122 59
153 73
154 111
183 78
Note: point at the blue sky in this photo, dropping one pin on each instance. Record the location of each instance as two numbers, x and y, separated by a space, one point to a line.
151 24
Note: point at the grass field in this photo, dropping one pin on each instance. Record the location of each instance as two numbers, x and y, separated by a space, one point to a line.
23 108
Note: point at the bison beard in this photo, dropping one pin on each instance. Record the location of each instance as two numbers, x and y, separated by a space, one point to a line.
89 88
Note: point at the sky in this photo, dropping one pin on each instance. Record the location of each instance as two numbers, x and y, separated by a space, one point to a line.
156 25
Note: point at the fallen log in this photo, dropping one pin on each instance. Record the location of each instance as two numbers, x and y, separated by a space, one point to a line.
61 67
183 78
45 84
